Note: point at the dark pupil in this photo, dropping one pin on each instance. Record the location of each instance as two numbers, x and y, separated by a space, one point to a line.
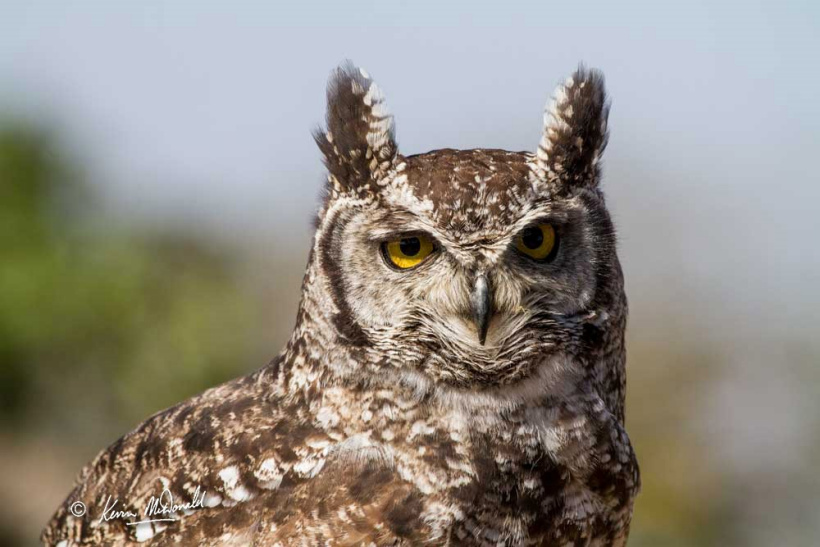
532 238
410 246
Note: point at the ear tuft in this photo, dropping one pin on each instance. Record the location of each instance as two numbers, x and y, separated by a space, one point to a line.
575 132
359 144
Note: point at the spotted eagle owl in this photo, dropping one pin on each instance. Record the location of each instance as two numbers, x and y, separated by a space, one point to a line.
455 375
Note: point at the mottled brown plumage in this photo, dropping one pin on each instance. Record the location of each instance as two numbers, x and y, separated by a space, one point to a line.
474 399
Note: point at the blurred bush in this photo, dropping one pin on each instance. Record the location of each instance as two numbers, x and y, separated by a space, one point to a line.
123 322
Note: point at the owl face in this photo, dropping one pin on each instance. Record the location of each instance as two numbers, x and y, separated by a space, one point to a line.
467 267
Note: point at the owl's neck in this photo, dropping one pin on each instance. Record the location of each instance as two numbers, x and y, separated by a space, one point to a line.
392 413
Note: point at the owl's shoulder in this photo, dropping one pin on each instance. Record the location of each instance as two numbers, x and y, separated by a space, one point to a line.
229 444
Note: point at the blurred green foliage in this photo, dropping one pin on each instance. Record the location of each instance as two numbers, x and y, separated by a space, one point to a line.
91 309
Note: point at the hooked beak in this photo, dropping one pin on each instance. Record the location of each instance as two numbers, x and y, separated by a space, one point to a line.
481 299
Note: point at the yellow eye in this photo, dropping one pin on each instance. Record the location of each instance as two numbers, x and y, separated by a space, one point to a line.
539 242
407 252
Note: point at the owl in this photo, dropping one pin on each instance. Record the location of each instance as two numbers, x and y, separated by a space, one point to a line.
455 375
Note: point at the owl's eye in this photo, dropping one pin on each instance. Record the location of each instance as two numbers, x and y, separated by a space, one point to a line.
539 242
407 252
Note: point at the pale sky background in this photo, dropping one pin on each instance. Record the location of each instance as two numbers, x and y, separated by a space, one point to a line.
200 113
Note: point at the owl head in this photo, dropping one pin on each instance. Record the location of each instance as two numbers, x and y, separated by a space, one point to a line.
466 267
